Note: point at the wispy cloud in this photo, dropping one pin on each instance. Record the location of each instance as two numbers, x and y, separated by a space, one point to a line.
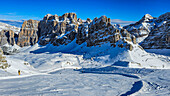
14 13
121 22
14 16
9 17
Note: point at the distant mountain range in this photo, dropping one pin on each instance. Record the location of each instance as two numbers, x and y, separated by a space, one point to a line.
16 23
150 32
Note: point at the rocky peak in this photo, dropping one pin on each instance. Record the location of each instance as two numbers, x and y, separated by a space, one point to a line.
101 31
88 20
80 20
94 33
29 33
117 26
68 17
51 17
164 17
7 37
30 24
158 38
147 17
61 31
141 28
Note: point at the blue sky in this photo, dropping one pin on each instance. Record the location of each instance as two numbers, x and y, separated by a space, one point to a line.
126 10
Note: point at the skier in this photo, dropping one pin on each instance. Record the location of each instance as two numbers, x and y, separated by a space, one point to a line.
19 72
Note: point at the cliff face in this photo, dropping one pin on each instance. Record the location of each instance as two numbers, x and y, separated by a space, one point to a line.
101 31
151 32
28 34
7 36
142 28
3 61
62 30
158 38
59 30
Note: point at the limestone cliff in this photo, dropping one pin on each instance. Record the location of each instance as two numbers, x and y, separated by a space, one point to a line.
29 33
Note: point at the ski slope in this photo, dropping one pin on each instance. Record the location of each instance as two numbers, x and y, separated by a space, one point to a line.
82 71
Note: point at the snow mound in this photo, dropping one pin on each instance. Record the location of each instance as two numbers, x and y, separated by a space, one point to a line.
104 55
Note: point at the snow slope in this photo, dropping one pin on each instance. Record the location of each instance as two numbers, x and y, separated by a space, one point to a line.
81 71
4 26
106 55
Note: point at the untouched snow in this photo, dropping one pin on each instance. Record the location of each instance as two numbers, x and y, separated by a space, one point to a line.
74 70
4 26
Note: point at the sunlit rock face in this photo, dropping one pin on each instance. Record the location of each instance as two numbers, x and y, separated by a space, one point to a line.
58 30
101 31
62 30
3 61
149 31
7 37
28 34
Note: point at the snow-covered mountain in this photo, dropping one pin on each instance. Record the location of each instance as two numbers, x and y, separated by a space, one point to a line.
141 28
16 23
144 26
159 38
92 39
61 70
8 38
4 26
64 55
60 30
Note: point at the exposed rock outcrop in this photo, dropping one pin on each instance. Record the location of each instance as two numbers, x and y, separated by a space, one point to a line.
29 33
3 61
101 31
58 30
147 24
62 30
82 34
163 17
158 38
141 28
7 37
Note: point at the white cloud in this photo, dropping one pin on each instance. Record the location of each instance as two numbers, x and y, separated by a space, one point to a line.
11 13
121 22
13 16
